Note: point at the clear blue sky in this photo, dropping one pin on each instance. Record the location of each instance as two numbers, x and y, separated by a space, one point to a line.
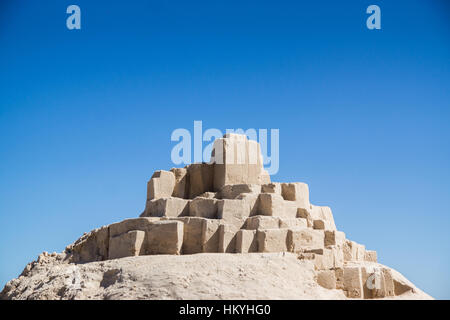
86 116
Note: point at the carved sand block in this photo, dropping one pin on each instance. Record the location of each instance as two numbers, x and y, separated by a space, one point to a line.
272 240
160 185
203 207
262 222
127 244
272 204
237 160
246 241
306 239
297 192
167 207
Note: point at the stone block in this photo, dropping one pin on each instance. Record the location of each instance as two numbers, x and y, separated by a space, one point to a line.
237 160
227 238
305 239
323 213
306 214
327 215
167 207
324 259
328 258
338 256
272 204
92 246
192 235
262 222
160 185
246 241
272 240
371 256
233 191
320 225
360 252
339 273
233 211
334 238
388 282
201 178
352 281
350 249
181 188
306 256
197 234
165 237
124 226
297 192
274 187
289 210
293 223
327 279
126 244
210 235
203 207
251 201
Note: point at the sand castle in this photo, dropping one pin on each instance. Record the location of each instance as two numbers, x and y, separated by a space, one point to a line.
229 205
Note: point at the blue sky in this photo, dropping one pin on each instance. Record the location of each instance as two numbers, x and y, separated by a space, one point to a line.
86 115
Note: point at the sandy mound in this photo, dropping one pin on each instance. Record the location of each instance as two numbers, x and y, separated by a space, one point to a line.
198 276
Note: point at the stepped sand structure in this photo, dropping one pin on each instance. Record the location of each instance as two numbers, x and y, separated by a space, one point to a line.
227 218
